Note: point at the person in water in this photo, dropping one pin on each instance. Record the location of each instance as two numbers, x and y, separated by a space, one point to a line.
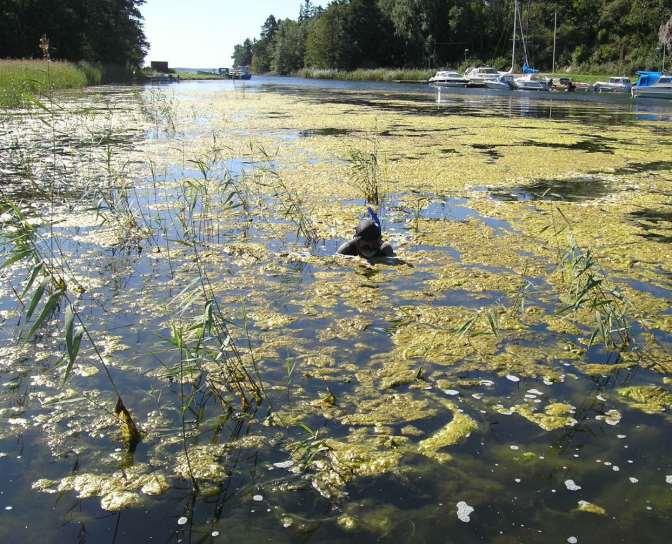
368 240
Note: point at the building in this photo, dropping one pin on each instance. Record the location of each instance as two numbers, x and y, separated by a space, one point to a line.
160 66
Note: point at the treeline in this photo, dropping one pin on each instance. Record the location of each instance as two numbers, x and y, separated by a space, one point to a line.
348 34
104 32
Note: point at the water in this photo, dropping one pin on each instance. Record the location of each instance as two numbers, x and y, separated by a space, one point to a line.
368 356
595 108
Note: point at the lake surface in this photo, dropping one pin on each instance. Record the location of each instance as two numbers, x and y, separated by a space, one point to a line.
505 379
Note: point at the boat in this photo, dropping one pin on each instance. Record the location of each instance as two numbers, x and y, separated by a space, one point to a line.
478 77
449 79
563 84
619 84
505 82
531 82
241 72
652 85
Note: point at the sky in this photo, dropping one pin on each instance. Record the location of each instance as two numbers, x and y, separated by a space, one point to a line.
202 33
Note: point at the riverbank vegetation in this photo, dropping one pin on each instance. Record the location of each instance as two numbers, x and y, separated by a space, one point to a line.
413 75
103 37
364 74
593 36
21 80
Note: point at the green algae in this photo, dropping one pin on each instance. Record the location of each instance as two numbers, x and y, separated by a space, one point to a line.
589 507
554 416
118 491
650 399
360 456
595 369
457 430
203 463
345 297
390 409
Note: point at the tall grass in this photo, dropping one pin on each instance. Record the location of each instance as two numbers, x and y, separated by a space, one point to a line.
362 74
20 80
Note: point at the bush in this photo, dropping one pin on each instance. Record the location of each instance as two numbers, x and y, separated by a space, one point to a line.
93 72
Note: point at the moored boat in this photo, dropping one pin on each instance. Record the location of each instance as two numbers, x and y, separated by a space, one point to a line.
505 82
531 82
619 84
652 85
449 79
478 77
241 72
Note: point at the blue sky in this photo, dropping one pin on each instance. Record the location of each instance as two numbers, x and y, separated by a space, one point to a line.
202 33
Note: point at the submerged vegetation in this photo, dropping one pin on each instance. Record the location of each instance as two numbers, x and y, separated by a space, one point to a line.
178 334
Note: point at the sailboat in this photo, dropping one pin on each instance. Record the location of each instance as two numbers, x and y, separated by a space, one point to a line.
531 80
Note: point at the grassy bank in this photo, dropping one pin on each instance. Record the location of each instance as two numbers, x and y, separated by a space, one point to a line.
391 74
20 80
195 76
375 74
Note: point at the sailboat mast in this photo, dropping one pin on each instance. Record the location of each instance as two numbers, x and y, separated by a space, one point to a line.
555 35
513 51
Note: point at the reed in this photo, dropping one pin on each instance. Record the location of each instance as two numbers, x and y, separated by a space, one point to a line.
364 74
367 167
21 80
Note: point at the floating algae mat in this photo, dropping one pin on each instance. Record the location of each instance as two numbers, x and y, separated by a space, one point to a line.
183 358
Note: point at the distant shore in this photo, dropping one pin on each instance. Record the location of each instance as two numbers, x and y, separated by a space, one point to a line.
419 75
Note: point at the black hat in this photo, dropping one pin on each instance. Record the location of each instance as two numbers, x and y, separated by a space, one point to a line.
367 230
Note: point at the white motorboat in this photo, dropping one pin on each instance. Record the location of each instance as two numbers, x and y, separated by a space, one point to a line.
619 84
479 76
652 85
531 82
505 82
449 79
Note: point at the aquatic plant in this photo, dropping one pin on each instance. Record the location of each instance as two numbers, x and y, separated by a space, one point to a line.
586 288
292 206
160 108
45 279
366 171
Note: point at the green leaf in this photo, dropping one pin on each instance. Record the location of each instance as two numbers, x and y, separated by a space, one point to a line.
466 326
35 300
73 339
492 322
69 324
33 275
18 255
48 309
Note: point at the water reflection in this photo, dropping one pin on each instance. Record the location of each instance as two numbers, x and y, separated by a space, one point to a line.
590 107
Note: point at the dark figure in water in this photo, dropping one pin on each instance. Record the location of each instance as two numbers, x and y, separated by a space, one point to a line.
368 241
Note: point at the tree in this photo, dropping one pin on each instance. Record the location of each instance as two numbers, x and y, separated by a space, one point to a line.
262 50
100 31
325 42
289 47
269 28
665 34
242 53
611 34
309 11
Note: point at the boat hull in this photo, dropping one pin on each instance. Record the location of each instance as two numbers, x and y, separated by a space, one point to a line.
530 86
607 89
450 83
498 86
652 92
